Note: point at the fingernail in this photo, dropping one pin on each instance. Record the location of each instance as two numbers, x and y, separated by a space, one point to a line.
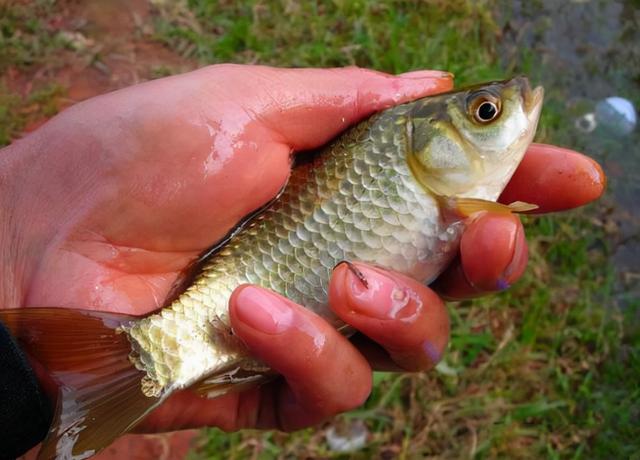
502 284
518 262
422 74
432 351
383 298
263 310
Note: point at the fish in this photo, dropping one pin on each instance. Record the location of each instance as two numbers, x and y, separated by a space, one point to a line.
393 191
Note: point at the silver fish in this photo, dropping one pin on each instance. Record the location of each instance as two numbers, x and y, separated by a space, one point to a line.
391 191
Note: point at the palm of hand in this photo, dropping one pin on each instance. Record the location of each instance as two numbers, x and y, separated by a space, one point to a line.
169 186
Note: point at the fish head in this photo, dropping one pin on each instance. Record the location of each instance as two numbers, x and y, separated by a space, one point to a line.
468 143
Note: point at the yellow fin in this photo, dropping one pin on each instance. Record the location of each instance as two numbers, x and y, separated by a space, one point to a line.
100 393
232 380
466 207
522 206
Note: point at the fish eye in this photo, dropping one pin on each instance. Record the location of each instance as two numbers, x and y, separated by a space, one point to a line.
486 111
484 108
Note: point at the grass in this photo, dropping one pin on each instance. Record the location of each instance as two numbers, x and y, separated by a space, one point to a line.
24 38
392 36
16 112
548 369
26 42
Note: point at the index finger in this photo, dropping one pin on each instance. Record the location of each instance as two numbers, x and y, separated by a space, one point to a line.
308 107
403 316
555 179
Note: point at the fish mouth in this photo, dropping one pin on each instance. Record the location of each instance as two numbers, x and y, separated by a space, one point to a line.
533 104
531 99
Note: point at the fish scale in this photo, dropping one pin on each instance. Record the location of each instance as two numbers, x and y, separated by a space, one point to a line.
343 205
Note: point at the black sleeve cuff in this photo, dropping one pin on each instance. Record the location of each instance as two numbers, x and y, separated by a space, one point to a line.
25 411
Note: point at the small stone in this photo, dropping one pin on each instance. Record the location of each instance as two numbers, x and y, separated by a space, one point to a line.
349 438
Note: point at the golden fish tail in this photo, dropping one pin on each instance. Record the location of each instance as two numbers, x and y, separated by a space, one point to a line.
100 394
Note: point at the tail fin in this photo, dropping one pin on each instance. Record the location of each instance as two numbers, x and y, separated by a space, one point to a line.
100 395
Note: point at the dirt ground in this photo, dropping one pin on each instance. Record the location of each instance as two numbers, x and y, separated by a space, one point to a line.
111 48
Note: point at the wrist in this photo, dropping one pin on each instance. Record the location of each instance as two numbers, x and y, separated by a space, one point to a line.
12 275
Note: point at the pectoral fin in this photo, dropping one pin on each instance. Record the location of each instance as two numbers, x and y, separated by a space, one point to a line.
467 207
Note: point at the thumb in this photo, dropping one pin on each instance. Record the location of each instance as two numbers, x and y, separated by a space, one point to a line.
308 107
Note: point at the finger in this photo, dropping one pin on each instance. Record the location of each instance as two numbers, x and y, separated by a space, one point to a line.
555 179
228 132
308 107
186 409
314 359
493 255
403 316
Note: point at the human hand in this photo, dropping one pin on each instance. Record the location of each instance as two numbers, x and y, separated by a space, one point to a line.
115 196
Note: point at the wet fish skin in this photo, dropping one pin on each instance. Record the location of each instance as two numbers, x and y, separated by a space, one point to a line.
392 191
357 200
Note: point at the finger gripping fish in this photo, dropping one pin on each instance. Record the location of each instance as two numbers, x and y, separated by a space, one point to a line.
392 191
